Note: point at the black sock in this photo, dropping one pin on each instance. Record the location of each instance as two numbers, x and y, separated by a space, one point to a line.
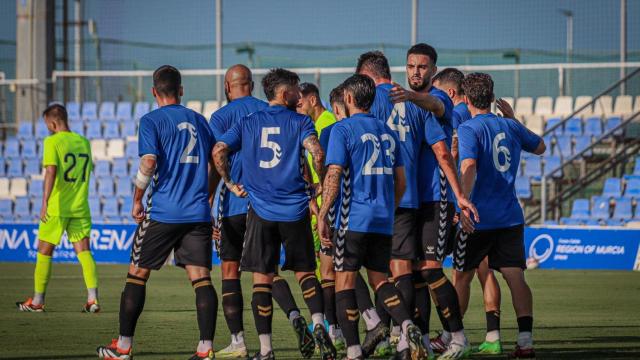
283 296
329 297
363 296
493 320
443 320
206 306
404 284
389 297
312 293
232 304
262 306
131 304
445 297
525 323
384 316
348 316
423 303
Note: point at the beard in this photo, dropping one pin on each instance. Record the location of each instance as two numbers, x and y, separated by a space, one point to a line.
418 87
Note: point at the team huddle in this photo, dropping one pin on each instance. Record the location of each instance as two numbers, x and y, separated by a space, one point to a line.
389 179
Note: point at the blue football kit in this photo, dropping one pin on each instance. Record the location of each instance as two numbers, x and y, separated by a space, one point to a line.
460 114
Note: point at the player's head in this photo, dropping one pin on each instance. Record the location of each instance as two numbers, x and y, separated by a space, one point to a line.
478 90
421 66
281 87
449 80
375 65
359 93
238 82
336 99
167 84
56 118
309 99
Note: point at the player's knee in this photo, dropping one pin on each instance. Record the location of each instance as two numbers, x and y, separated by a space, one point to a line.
45 248
82 245
139 272
400 267
432 275
230 270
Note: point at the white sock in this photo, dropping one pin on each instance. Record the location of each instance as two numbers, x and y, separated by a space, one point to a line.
525 339
354 351
371 318
445 336
237 339
265 343
459 337
402 344
396 330
317 319
405 325
124 342
293 315
38 299
492 336
333 332
204 345
92 294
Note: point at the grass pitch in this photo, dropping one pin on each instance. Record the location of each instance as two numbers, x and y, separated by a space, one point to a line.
578 315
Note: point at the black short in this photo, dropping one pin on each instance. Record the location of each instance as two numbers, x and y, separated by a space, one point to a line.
504 247
404 244
435 222
232 240
354 250
153 242
262 243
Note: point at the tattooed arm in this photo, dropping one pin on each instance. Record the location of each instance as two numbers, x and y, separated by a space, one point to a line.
312 145
329 195
221 160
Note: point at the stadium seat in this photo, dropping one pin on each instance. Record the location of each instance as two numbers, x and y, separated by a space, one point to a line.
132 149
209 108
129 128
120 167
636 104
141 109
612 188
6 210
582 101
570 221
102 168
3 167
600 209
603 105
552 122
14 168
94 129
125 206
573 127
36 205
77 127
110 209
564 146
41 130
612 123
107 111
535 123
523 106
22 208
25 130
32 167
99 149
544 106
111 129
632 189
105 187
123 111
11 148
36 187
523 187
94 207
622 211
580 209
5 192
592 222
615 222
551 222
93 188
593 126
552 163
195 105
563 106
548 141
623 105
73 111
533 168
636 167
124 186
115 148
29 149
581 143
89 111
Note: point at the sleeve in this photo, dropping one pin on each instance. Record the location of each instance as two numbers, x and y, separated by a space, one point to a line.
396 152
433 131
216 124
337 153
50 156
528 139
307 129
147 138
467 143
455 119
233 137
324 137
211 137
448 106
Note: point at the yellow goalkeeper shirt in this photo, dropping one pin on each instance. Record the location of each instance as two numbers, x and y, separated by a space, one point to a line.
325 119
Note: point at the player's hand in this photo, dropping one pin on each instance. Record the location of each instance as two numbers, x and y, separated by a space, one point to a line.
456 218
325 232
44 217
317 189
217 234
238 190
399 94
466 205
466 223
138 213
313 207
505 109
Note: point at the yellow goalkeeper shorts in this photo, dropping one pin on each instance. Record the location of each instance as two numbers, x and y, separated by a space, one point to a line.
77 229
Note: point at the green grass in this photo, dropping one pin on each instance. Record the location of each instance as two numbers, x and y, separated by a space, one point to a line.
578 315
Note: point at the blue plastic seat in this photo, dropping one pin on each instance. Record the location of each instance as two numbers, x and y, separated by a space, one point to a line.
611 123
120 167
573 127
22 208
123 111
41 130
6 209
633 188
636 167
105 187
592 222
36 187
533 168
570 221
582 142
36 205
548 141
593 126
564 146
94 129
77 127
94 206
551 222
124 187
102 168
29 149
25 130
32 167
552 122
615 222
128 128
523 187
141 109
551 163
107 111
89 111
73 111
580 209
612 188
111 129
622 211
3 167
11 148
126 202
600 209
110 209
14 168
132 149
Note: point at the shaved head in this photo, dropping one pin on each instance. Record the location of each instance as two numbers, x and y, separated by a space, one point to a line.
238 82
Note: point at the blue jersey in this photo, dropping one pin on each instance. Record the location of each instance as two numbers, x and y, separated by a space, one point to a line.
272 161
460 115
221 121
495 143
368 152
182 141
434 185
324 137
408 122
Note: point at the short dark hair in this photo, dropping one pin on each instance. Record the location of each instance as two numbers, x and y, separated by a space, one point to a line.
375 62
308 89
276 78
56 111
363 90
478 87
337 95
450 76
424 49
167 81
